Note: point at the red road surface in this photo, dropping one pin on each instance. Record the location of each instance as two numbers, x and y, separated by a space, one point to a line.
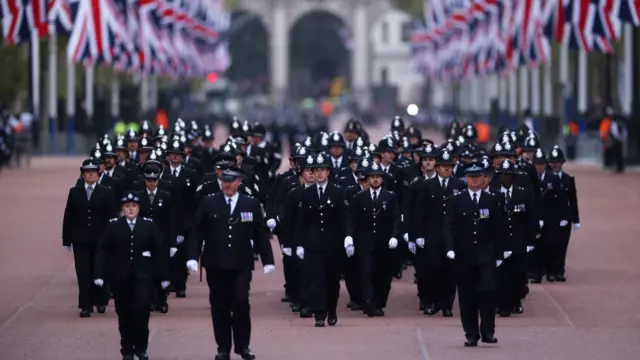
594 316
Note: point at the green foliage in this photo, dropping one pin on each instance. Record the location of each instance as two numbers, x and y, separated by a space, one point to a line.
413 7
14 82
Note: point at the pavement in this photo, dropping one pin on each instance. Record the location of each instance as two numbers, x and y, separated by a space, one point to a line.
594 316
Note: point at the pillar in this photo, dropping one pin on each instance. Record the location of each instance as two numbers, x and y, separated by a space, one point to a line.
513 93
535 91
279 53
360 57
626 96
547 92
523 81
583 103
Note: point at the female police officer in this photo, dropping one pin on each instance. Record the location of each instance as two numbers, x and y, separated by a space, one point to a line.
131 255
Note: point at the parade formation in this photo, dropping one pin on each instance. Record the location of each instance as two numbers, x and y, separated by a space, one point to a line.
152 207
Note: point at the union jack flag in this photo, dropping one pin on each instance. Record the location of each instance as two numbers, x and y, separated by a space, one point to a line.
37 17
14 28
59 14
629 12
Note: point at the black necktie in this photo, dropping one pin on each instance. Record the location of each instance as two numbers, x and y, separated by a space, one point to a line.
540 177
375 195
229 204
320 191
444 184
475 199
507 196
175 172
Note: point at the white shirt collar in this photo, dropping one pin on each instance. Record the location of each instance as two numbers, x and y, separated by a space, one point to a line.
131 222
177 168
479 193
542 175
441 178
559 173
234 198
87 185
504 190
338 160
262 145
372 191
152 192
323 186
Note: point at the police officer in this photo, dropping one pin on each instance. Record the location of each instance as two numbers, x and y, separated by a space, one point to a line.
156 204
231 224
375 226
321 235
519 233
131 255
472 239
87 212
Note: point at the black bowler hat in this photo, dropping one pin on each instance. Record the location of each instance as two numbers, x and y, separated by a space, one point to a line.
130 197
231 173
89 165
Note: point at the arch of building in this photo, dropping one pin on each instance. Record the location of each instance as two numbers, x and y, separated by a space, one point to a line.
279 17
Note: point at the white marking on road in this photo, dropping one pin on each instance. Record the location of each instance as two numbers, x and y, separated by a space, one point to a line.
423 345
33 298
563 313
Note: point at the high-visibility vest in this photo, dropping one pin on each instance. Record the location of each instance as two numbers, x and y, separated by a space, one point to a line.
162 119
605 126
484 132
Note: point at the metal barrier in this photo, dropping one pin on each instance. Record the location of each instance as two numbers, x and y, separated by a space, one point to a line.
589 148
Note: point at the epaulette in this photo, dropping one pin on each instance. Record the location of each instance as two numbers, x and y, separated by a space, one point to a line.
415 179
248 191
113 219
147 219
199 187
255 186
277 156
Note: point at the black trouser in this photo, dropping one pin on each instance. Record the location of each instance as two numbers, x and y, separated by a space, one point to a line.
323 270
476 295
132 300
377 269
617 155
229 294
512 282
179 272
89 295
545 252
352 278
559 249
436 276
293 277
288 268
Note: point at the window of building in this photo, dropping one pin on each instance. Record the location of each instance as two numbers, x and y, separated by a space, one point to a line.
385 33
405 32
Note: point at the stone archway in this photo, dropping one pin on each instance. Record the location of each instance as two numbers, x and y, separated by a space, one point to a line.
249 49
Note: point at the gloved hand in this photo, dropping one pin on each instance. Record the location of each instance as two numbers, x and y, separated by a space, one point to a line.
165 284
420 242
350 251
180 239
348 246
98 282
393 243
498 263
564 223
68 248
541 223
530 248
192 266
405 237
286 251
576 226
172 251
300 252
451 255
251 243
412 247
269 268
348 241
507 254
271 224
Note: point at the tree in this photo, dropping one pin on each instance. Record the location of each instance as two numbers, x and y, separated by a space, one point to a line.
14 82
414 7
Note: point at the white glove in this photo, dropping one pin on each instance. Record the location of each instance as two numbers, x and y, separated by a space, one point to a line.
172 251
286 251
269 268
300 252
406 237
68 248
412 247
576 226
350 250
98 282
451 255
541 223
165 284
393 243
348 241
530 248
420 242
507 254
498 263
401 217
251 243
271 224
192 266
564 223
180 239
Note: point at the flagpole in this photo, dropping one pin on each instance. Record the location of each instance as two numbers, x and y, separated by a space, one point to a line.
34 74
53 87
71 107
115 99
89 81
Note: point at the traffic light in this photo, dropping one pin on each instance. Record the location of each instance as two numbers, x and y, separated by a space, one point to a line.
212 77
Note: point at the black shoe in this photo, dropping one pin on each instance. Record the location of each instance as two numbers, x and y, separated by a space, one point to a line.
246 354
285 299
223 356
305 313
536 280
332 320
551 278
378 312
356 307
181 294
127 357
319 323
351 304
399 275
504 313
447 313
517 309
101 309
471 343
295 308
561 278
422 307
85 313
489 339
142 356
162 308
431 310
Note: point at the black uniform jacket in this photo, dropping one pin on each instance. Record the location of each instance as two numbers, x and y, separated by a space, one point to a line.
373 223
569 184
431 208
323 222
161 212
227 237
84 219
289 216
552 207
520 220
184 186
125 255
473 231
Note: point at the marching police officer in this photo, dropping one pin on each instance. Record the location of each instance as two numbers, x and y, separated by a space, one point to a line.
87 212
131 255
472 239
231 224
375 226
